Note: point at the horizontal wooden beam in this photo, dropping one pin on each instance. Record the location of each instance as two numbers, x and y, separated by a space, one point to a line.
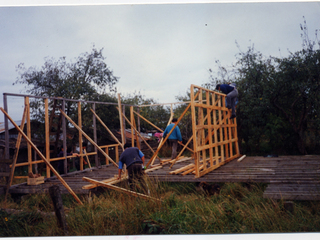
54 159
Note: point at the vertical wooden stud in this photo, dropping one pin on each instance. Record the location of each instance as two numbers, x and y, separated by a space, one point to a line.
107 152
132 124
95 136
80 135
47 134
29 135
64 132
121 121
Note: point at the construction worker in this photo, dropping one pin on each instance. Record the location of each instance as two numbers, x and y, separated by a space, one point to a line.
232 94
174 137
134 160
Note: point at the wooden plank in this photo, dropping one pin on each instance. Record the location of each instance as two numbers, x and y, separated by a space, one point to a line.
53 159
241 158
120 189
182 169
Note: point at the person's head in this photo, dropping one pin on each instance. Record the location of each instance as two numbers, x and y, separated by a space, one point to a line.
174 120
218 87
84 145
127 145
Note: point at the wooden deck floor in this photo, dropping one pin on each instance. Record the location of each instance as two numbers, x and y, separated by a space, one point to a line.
289 177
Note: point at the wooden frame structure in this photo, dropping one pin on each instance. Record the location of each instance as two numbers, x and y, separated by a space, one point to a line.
215 139
48 125
214 134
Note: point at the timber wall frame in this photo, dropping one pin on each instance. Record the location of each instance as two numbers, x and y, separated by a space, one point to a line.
82 135
214 135
215 140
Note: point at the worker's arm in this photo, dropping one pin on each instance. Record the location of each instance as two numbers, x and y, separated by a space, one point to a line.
141 155
120 169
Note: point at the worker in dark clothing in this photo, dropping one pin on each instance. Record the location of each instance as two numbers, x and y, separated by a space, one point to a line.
134 160
232 94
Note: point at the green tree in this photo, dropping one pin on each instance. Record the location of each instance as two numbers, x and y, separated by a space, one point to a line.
79 80
278 98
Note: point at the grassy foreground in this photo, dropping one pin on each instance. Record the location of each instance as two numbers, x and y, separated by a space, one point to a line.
238 208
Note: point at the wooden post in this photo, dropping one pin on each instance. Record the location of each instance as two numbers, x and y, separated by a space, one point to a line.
138 128
29 135
107 152
95 136
80 135
55 195
132 124
47 134
42 157
117 153
121 122
194 133
209 119
6 126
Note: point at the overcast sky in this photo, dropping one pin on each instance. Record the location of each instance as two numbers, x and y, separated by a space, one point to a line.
157 49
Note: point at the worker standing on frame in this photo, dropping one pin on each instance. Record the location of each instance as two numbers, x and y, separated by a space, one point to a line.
174 137
232 94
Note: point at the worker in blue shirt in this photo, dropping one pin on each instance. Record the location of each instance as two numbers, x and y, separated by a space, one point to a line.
174 137
134 160
232 94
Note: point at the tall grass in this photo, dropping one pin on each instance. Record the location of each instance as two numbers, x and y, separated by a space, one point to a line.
238 208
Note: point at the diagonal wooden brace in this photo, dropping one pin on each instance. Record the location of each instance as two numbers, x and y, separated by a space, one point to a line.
42 157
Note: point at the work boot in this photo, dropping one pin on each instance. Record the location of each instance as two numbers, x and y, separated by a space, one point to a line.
232 116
